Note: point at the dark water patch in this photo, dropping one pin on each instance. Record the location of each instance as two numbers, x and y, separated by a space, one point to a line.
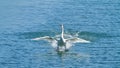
9 45
100 35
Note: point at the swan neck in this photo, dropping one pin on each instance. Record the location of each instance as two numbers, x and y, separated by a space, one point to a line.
62 34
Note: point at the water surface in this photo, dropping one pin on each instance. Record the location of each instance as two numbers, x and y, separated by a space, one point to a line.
97 21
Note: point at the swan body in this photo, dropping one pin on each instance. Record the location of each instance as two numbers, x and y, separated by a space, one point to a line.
60 43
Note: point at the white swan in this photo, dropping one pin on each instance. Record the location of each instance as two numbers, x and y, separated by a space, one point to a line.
60 43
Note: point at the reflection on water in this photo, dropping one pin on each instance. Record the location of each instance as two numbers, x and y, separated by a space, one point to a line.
65 58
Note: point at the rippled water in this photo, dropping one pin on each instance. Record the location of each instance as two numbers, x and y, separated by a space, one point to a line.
95 20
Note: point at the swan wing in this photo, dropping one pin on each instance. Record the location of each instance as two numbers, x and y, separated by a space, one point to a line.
49 39
77 40
46 38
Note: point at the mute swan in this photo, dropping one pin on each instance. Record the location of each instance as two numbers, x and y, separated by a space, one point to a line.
60 43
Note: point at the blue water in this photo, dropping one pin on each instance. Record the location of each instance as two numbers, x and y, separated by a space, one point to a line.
95 20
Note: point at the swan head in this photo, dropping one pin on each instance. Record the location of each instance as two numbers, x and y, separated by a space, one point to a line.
61 25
